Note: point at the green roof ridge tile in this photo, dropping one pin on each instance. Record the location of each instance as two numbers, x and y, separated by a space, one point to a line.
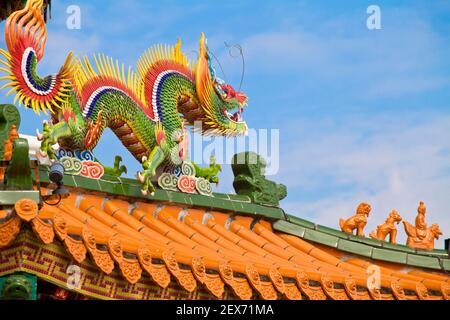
445 264
300 221
389 255
322 238
423 261
291 228
355 247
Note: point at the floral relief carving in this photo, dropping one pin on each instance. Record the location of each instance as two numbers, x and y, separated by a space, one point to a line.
331 291
158 272
184 277
352 290
277 280
292 292
240 286
226 272
253 276
160 275
422 291
171 261
76 248
115 248
267 291
445 290
26 209
215 285
60 226
397 290
130 269
101 258
43 230
186 280
9 231
198 268
312 292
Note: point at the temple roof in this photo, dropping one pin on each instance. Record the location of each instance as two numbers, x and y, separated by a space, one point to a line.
219 242
191 246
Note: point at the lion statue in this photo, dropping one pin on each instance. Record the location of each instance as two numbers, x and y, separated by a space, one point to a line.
388 228
358 221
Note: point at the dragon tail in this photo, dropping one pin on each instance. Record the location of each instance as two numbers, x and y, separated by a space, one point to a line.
25 35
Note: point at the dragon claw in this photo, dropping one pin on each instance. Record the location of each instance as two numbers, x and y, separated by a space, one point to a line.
140 177
39 135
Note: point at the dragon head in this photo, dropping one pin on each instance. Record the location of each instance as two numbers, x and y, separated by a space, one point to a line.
221 104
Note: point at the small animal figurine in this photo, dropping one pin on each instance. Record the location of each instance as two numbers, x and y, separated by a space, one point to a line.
388 228
358 221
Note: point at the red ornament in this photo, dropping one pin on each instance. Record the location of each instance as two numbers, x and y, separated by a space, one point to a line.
186 184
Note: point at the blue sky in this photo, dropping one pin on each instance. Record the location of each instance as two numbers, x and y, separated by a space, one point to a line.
364 115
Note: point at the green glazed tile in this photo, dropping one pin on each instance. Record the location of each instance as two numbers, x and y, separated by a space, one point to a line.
68 180
111 187
301 222
445 264
289 228
85 183
355 247
132 190
108 177
241 198
398 247
222 196
423 261
331 231
389 255
320 237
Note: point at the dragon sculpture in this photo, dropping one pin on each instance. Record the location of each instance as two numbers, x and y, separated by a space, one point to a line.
147 110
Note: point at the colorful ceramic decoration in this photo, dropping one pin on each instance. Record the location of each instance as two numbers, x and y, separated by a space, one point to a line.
71 165
80 162
183 178
147 109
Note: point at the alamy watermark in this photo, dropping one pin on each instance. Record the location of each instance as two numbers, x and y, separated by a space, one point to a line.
373 22
373 277
74 277
73 21
265 142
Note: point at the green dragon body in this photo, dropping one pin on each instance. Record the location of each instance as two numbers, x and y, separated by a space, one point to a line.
147 110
